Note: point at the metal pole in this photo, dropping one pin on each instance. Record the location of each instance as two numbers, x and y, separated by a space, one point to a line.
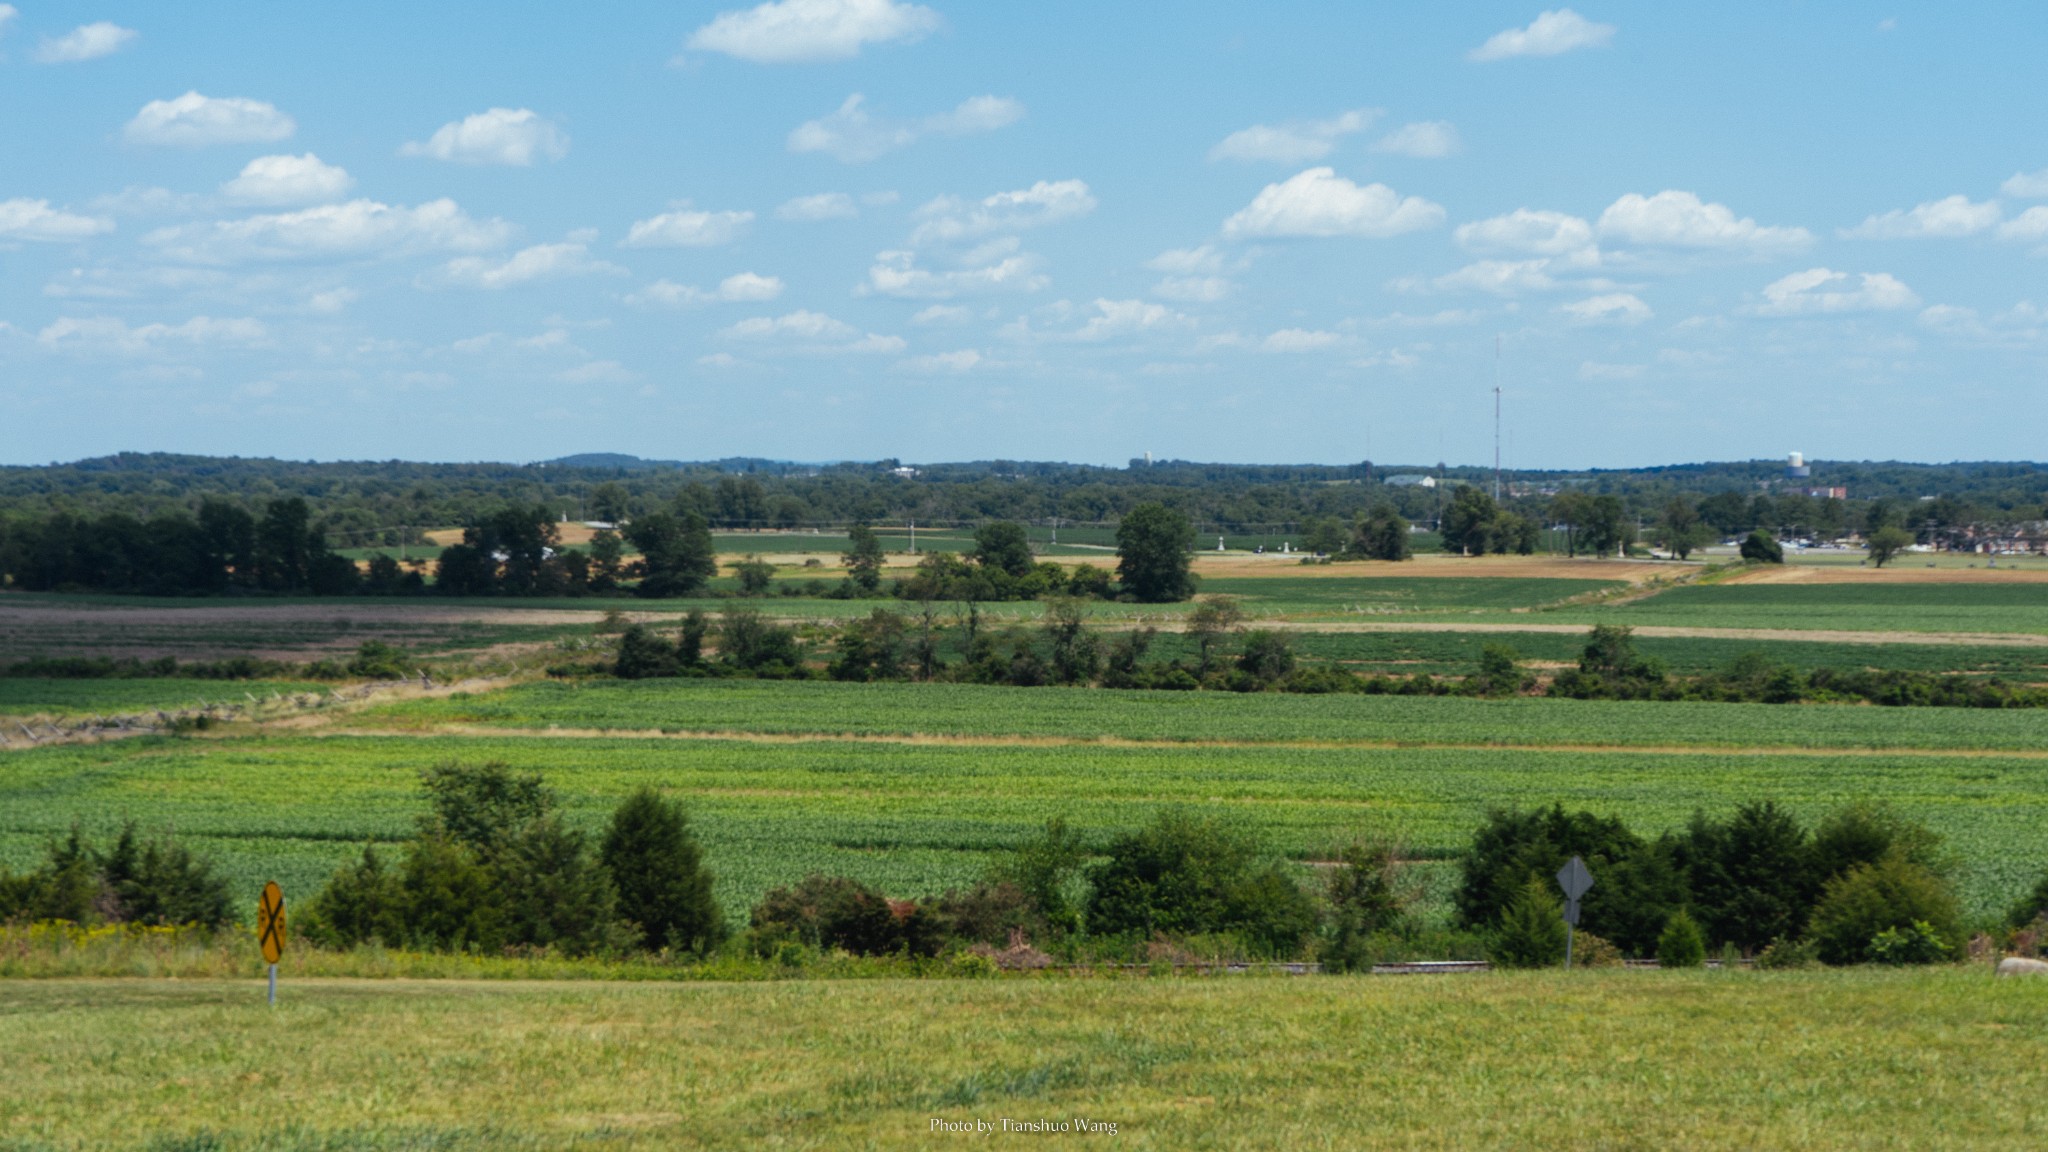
273 985
1567 950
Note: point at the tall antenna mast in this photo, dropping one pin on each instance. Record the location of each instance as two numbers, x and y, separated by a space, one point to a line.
1496 418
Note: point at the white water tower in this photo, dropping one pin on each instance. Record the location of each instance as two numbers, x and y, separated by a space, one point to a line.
1795 467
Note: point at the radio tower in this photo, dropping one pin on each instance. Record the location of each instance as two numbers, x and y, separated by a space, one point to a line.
1496 419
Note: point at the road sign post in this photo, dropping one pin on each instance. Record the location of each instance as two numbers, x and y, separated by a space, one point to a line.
1575 881
270 930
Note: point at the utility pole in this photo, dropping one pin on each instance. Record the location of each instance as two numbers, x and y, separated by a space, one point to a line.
1496 419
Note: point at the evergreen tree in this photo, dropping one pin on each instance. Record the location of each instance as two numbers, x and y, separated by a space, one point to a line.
658 869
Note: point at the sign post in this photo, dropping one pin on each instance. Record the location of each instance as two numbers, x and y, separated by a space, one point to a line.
270 930
1575 881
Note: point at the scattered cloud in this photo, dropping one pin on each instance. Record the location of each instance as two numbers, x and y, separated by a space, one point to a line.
1674 219
962 361
1498 277
812 331
2027 226
7 14
1550 34
1426 140
687 227
526 266
896 273
804 31
853 136
192 121
1611 308
358 229
823 206
1318 202
948 219
943 314
1526 232
331 301
1294 141
23 219
107 335
2027 185
743 288
1801 294
1115 318
1193 274
85 42
284 180
1299 340
1948 218
510 136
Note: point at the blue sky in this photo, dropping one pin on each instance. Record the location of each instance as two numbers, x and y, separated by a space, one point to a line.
850 229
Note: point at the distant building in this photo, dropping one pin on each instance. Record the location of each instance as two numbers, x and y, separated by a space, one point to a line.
1412 480
1828 493
1795 467
905 473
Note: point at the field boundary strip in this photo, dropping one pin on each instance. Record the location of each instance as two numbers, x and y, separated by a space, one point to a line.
942 739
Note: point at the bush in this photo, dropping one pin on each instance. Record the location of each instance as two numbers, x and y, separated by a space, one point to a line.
1681 945
644 655
659 872
1892 893
1916 943
360 903
823 912
1365 900
1784 953
1045 869
1513 847
162 882
553 893
1760 548
1531 931
1187 876
1750 877
2030 907
1268 656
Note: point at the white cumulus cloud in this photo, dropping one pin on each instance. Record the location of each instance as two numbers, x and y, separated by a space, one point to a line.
688 228
281 180
853 136
948 219
2027 185
540 262
1674 219
1612 308
1318 202
1947 218
193 120
1529 232
1550 34
897 274
1425 140
1817 290
1129 317
743 288
1498 277
802 31
23 219
511 136
962 361
1294 141
358 229
823 206
2027 226
804 330
85 42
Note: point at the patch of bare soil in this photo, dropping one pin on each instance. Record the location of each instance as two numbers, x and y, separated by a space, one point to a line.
1890 574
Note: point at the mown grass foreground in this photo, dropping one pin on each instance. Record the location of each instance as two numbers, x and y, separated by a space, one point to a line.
1856 1059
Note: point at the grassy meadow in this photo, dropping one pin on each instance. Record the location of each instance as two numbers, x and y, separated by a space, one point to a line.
1604 1058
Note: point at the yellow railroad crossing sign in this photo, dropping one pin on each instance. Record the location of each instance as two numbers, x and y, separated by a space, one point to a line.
270 922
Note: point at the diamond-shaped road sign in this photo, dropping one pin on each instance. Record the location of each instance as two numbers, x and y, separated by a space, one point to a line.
1575 881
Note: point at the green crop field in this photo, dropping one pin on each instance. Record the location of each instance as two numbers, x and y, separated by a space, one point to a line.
20 697
1603 1059
1871 607
918 818
1337 597
825 708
